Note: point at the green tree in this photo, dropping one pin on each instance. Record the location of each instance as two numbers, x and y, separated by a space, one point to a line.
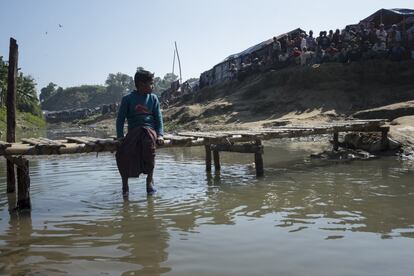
3 81
121 80
47 92
84 96
117 85
161 85
26 96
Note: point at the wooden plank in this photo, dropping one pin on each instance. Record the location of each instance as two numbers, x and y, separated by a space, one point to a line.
5 144
178 138
31 141
213 135
51 142
243 148
78 140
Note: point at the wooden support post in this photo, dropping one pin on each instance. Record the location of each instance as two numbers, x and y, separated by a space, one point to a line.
11 110
384 138
216 156
208 157
258 160
23 185
335 141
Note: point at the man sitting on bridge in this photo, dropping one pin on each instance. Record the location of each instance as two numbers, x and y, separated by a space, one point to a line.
136 153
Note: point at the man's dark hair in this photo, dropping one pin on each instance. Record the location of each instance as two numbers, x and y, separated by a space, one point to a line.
143 76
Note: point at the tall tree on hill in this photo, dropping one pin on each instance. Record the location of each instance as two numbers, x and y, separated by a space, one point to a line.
161 85
117 85
47 92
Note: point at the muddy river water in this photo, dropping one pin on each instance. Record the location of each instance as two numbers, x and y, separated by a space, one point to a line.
305 217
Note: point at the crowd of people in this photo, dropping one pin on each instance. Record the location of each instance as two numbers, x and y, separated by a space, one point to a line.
349 45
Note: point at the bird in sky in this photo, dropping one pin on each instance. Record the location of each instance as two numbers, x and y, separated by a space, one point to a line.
60 26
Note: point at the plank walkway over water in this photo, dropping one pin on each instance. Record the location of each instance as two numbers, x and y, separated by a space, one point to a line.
214 142
73 145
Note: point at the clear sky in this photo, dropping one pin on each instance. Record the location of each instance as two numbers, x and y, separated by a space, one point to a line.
99 37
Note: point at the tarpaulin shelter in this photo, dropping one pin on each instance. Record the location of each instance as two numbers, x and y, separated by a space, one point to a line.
263 44
220 72
388 17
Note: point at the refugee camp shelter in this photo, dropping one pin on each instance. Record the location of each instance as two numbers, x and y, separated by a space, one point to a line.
221 72
404 18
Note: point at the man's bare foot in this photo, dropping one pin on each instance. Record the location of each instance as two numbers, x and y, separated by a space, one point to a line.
125 187
151 190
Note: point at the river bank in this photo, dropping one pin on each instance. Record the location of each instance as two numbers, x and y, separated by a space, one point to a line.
376 89
26 124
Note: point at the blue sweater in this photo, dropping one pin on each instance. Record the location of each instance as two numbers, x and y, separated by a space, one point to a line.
139 110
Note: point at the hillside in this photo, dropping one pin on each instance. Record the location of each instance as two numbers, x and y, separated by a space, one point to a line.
294 94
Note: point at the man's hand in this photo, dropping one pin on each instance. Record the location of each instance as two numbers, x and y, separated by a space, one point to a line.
160 140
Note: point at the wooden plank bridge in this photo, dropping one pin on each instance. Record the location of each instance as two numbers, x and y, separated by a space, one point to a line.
242 141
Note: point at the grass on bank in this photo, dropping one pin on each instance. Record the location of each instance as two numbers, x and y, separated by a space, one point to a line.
24 121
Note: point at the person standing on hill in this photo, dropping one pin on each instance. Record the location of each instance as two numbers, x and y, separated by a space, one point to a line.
136 153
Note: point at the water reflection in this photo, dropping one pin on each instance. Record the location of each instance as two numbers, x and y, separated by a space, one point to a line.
149 250
80 223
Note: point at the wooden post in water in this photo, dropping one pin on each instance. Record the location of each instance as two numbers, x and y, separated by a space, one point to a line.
23 183
335 141
384 138
208 157
11 110
216 156
258 159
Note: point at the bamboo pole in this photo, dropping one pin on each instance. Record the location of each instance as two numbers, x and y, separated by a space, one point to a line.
179 62
11 110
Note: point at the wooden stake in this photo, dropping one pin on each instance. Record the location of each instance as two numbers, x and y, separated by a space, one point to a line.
216 156
384 138
258 160
11 110
335 141
208 157
23 186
